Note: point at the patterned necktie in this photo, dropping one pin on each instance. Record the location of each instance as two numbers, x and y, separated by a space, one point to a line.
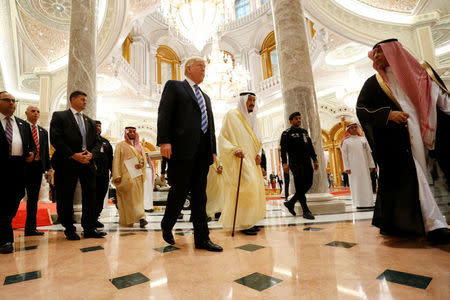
36 139
82 129
9 133
204 126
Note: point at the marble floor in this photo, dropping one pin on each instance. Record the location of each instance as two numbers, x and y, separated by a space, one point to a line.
333 257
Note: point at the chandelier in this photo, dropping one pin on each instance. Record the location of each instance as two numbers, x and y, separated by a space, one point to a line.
197 20
223 79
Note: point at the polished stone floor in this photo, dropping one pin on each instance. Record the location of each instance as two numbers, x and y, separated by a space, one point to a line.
333 257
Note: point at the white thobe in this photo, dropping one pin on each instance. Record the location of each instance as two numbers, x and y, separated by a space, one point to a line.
148 188
357 158
431 215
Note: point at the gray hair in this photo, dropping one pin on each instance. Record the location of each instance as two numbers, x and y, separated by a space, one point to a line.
191 61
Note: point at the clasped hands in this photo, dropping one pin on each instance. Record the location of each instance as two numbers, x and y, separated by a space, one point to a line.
398 117
82 157
241 154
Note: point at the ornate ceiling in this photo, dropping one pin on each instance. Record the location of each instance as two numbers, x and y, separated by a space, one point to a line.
402 6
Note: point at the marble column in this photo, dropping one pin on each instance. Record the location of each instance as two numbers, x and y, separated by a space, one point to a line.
45 88
297 78
82 67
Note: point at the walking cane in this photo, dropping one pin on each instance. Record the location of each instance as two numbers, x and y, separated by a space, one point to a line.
237 197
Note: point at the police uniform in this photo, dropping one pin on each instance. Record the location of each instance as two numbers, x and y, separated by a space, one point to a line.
103 158
296 143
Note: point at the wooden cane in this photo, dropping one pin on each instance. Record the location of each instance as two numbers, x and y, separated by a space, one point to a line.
237 197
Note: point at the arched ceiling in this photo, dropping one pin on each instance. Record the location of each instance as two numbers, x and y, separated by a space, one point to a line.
402 6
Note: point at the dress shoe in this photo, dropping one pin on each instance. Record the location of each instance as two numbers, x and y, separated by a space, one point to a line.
98 224
168 237
308 215
142 223
6 248
33 232
290 208
217 215
149 210
254 228
249 232
94 234
440 236
72 236
208 245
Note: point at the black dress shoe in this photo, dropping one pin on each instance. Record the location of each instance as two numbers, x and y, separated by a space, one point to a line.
290 208
6 248
72 236
308 215
33 232
168 237
96 234
208 245
98 224
142 223
149 210
440 236
249 232
254 228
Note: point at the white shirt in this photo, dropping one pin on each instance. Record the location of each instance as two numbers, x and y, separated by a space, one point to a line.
192 83
16 145
75 112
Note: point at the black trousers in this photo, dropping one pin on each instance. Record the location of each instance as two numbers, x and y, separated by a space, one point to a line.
286 184
66 177
303 178
12 186
185 176
102 185
33 176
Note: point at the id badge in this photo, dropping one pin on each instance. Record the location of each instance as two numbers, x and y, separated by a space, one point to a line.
101 149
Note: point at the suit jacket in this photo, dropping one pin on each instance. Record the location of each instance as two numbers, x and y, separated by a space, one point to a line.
179 120
65 136
27 140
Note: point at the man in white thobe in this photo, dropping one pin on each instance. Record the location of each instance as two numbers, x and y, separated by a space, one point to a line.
357 159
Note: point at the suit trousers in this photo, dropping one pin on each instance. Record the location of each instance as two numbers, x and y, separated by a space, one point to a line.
287 180
102 185
185 176
66 177
303 178
12 185
33 179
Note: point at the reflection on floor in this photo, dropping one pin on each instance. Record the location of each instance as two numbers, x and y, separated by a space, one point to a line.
333 257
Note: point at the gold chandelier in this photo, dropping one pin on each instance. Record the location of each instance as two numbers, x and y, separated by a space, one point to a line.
224 79
197 20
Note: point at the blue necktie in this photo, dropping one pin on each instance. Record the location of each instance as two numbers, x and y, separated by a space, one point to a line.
204 126
82 129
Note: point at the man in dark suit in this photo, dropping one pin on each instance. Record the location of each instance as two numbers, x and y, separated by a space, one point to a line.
103 157
34 170
16 149
74 137
187 138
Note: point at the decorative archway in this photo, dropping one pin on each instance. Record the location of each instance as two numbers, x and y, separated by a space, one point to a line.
268 46
332 144
167 62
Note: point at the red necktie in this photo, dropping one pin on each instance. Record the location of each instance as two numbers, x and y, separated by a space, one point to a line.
36 139
9 133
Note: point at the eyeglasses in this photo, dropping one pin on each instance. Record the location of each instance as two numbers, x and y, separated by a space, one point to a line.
9 100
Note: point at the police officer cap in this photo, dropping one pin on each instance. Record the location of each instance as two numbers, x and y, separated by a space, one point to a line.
293 115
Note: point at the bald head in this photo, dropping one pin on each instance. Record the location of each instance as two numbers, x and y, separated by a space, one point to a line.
33 113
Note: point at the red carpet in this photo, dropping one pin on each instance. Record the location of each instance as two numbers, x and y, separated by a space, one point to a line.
42 216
